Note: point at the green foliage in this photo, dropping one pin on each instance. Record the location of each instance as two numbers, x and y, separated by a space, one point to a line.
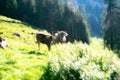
8 6
82 62
70 61
111 25
52 15
77 27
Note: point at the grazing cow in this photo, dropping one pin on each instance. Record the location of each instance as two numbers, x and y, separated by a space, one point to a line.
3 43
44 38
59 37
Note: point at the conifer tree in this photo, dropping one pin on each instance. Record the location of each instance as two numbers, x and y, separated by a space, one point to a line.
111 27
52 15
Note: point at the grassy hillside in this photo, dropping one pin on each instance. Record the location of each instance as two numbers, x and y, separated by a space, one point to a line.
23 61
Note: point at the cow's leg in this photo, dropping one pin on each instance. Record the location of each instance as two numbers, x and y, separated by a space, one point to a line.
39 45
49 46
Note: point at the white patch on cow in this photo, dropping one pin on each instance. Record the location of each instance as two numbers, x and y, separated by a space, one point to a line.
64 38
4 44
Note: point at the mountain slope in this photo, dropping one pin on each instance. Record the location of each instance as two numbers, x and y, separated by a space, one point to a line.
19 61
23 61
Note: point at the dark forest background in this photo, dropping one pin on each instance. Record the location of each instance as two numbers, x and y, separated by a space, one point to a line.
51 15
80 18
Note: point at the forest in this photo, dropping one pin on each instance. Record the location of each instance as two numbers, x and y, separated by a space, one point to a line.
92 49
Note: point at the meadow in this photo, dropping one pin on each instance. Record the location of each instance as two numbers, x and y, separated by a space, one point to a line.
70 61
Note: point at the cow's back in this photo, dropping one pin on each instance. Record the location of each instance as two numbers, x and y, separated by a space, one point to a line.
44 38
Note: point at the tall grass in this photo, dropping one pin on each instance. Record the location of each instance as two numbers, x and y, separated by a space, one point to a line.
79 61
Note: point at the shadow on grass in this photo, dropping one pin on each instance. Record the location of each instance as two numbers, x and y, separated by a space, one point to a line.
12 21
34 52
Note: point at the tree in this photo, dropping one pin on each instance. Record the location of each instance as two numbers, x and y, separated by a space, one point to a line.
52 15
27 11
8 7
76 25
111 27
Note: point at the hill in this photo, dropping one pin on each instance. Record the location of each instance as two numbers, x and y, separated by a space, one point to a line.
22 59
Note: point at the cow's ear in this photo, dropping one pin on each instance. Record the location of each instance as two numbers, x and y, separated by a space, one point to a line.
66 34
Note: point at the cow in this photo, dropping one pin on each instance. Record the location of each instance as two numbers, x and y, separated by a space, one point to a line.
3 43
44 38
59 37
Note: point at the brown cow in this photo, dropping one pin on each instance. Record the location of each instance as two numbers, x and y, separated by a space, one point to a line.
60 36
3 43
44 38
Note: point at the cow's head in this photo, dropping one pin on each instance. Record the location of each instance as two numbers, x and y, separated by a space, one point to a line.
61 36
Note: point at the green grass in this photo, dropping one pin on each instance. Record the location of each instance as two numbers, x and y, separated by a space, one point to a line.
70 61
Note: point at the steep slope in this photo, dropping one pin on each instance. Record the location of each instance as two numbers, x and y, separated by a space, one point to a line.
76 61
21 60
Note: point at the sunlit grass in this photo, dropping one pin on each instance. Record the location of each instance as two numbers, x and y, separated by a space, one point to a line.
22 60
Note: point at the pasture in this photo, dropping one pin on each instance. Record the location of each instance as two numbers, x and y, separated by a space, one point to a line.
70 61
